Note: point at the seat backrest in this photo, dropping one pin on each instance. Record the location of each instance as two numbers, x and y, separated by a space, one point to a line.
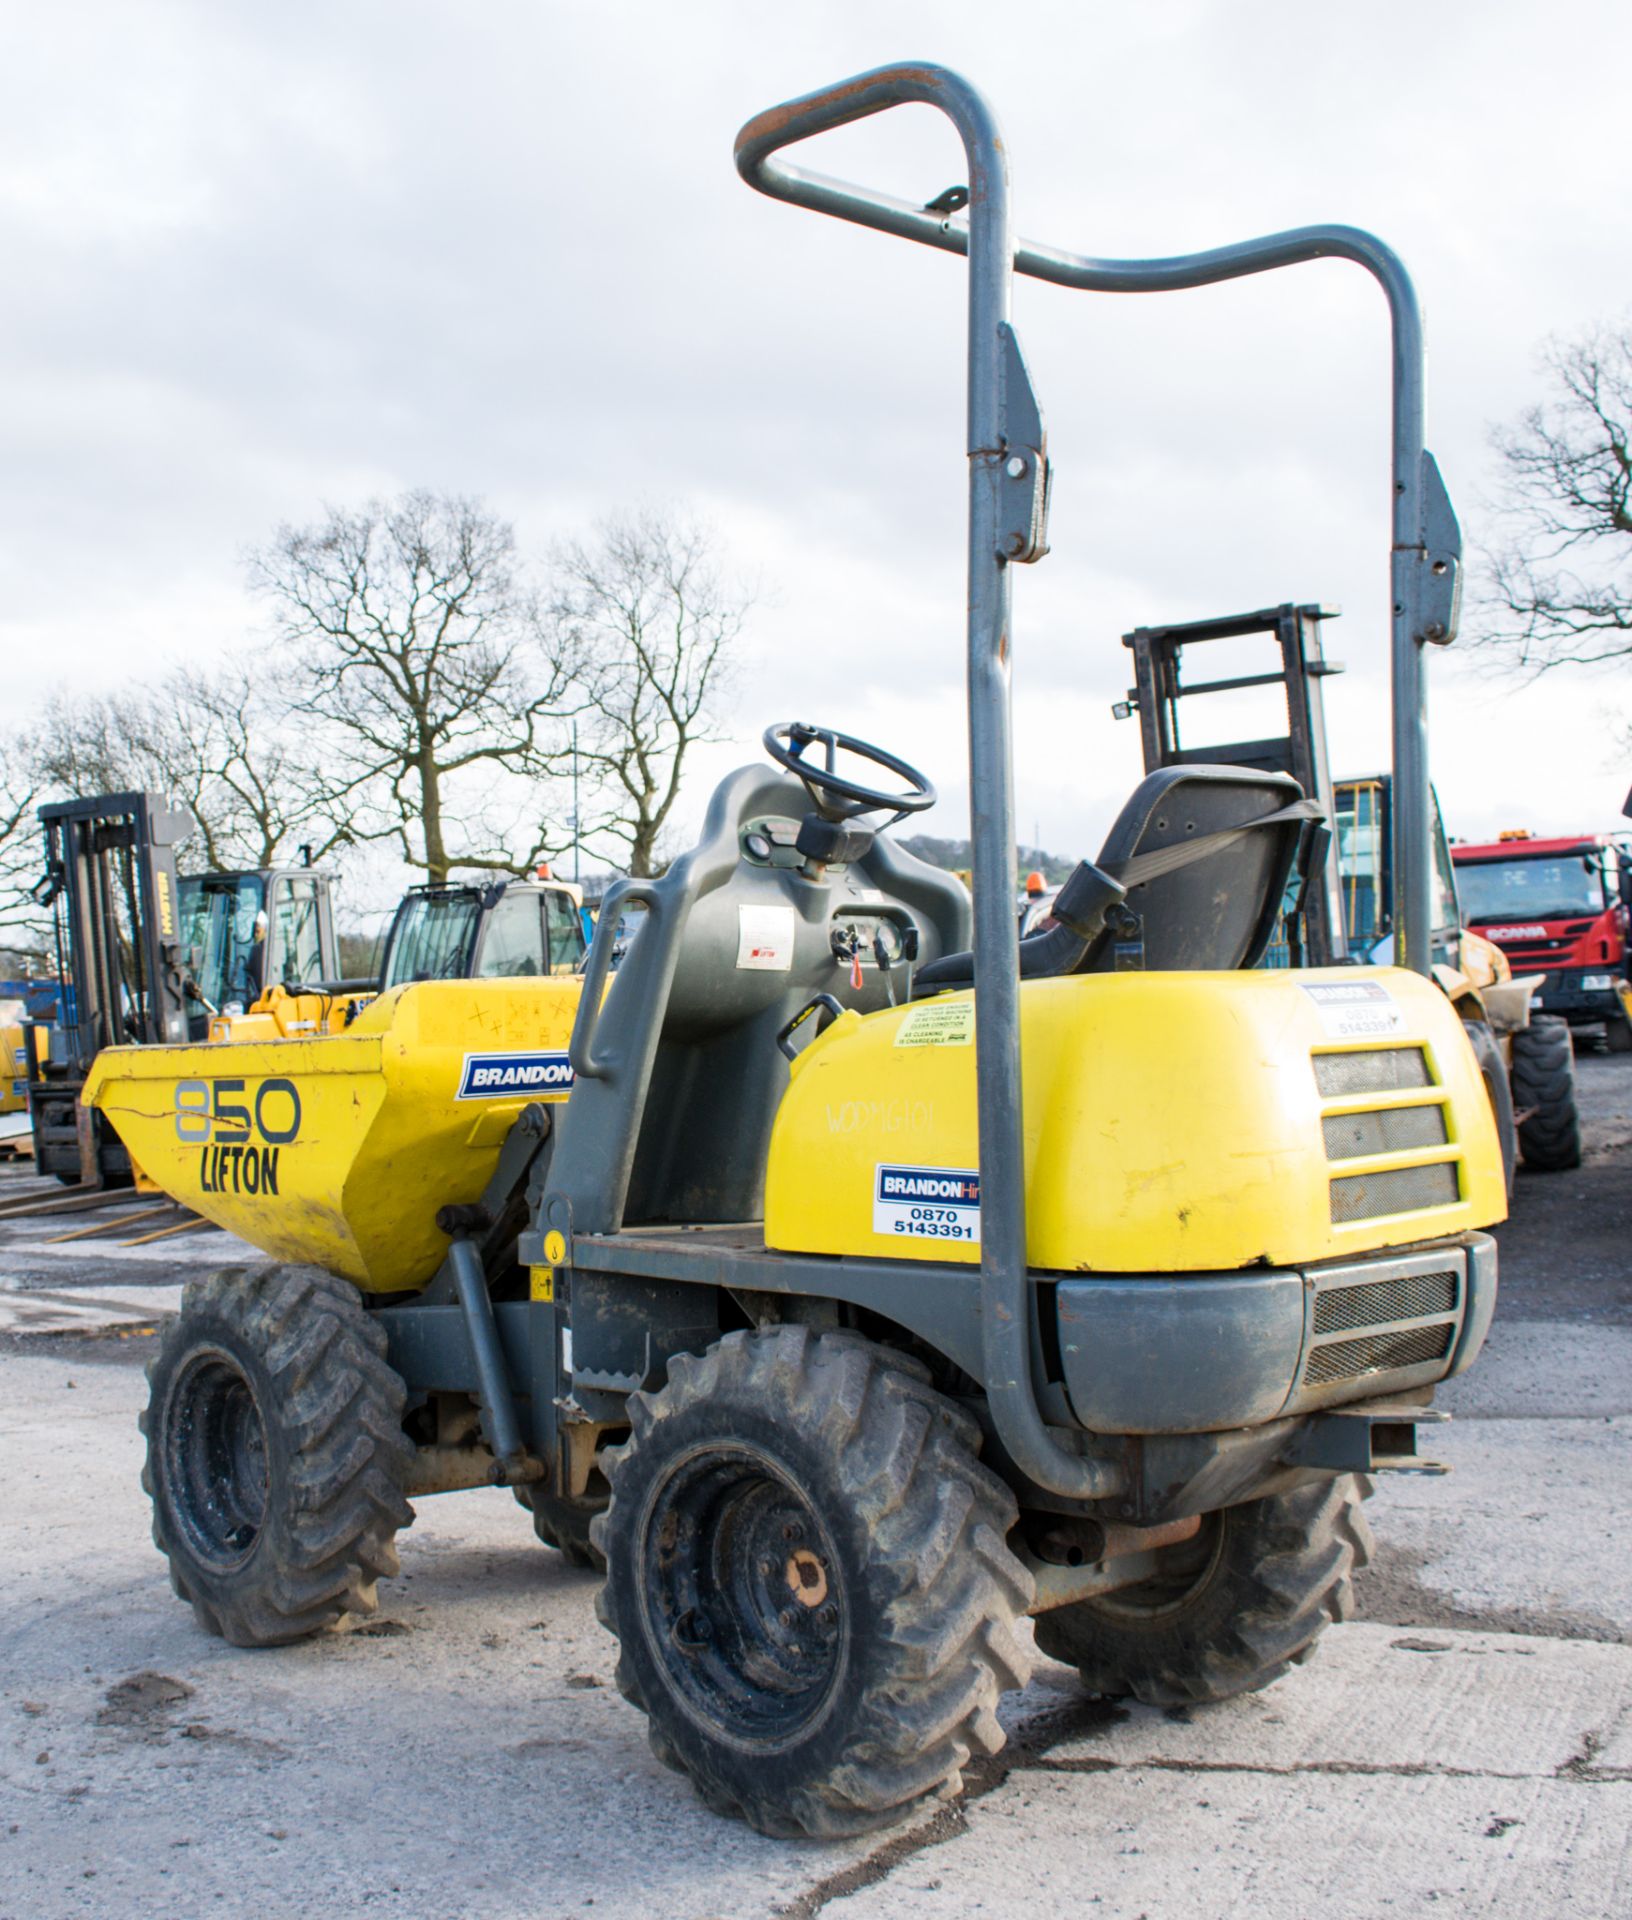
1219 910
679 1071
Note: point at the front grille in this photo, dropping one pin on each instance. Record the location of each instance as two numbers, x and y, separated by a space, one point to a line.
1365 1196
1377 1353
1375 1302
1376 1070
1351 1136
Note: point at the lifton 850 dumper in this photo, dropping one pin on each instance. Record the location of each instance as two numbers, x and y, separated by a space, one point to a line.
851 1278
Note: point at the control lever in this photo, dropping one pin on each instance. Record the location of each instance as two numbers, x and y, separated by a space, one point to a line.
881 954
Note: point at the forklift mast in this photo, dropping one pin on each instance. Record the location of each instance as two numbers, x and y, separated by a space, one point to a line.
110 881
1159 687
111 876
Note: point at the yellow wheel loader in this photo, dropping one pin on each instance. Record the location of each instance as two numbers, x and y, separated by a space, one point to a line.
857 1279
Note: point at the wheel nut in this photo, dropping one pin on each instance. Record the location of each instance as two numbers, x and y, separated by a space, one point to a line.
793 1531
829 1616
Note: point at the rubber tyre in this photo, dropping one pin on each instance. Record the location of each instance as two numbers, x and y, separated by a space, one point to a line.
914 1597
1493 1070
276 1460
1248 1604
565 1525
1618 1035
1544 1081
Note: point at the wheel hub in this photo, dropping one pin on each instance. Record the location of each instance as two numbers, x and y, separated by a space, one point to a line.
741 1597
216 1460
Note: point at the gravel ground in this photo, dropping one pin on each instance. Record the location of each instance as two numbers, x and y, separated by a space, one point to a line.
1466 1745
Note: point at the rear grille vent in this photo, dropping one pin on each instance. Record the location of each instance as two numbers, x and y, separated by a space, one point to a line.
1364 1196
1377 1353
1376 1302
1348 1136
1378 1070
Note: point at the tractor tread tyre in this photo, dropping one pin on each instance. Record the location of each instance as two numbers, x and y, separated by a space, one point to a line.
564 1525
928 1592
1280 1569
1544 1082
1618 1034
1493 1071
336 1460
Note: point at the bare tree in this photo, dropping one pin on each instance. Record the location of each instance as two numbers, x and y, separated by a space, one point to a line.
22 924
409 628
1560 583
640 630
206 739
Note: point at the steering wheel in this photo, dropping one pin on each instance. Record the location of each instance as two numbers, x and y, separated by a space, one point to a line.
837 798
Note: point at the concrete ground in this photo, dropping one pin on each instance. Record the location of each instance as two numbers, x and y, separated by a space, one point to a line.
1464 1747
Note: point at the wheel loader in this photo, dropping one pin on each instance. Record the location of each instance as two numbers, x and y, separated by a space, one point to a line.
848 1286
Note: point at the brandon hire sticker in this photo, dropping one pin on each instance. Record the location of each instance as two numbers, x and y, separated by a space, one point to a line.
508 1076
1356 1009
927 1203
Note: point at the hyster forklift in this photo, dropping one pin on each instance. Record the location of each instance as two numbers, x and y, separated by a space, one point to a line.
148 956
859 1283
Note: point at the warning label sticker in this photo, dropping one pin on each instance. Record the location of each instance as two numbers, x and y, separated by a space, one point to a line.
1356 1009
927 1203
765 939
938 1023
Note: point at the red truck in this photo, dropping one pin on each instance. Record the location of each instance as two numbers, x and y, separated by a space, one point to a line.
1557 907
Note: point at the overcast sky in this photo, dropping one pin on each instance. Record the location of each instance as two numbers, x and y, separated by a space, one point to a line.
259 258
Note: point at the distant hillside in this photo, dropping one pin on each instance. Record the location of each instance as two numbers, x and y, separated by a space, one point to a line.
956 854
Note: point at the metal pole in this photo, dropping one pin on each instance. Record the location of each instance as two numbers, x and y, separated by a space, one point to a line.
577 875
1006 1305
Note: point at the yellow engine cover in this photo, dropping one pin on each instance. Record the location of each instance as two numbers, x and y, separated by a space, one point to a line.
339 1149
1174 1122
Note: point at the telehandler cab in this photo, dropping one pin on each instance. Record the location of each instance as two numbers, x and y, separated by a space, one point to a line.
865 1297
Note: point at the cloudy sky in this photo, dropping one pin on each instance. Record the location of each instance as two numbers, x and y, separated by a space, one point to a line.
260 258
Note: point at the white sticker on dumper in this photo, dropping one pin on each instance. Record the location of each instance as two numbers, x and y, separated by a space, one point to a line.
927 1203
1356 1009
765 939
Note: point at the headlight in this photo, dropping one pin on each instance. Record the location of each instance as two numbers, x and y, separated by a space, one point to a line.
1598 982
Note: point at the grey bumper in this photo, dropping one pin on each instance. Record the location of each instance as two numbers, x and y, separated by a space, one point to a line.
1144 1353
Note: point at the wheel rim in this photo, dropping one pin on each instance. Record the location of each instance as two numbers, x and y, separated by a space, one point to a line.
1185 1570
742 1598
216 1460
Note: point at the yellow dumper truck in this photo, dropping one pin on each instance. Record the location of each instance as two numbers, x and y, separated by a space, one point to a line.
848 1276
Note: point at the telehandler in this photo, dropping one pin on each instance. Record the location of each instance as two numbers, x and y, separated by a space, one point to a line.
865 1297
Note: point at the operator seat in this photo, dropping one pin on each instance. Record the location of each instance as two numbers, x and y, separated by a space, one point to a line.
1203 853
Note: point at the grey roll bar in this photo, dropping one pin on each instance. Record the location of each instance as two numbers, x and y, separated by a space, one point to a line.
1006 451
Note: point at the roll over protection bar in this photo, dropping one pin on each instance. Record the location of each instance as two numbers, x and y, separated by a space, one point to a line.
1007 502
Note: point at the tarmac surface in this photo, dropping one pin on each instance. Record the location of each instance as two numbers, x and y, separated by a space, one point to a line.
1464 1747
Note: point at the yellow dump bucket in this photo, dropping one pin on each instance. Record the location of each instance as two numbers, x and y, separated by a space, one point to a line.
340 1149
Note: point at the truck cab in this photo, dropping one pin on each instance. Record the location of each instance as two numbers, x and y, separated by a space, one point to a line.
466 931
1557 907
